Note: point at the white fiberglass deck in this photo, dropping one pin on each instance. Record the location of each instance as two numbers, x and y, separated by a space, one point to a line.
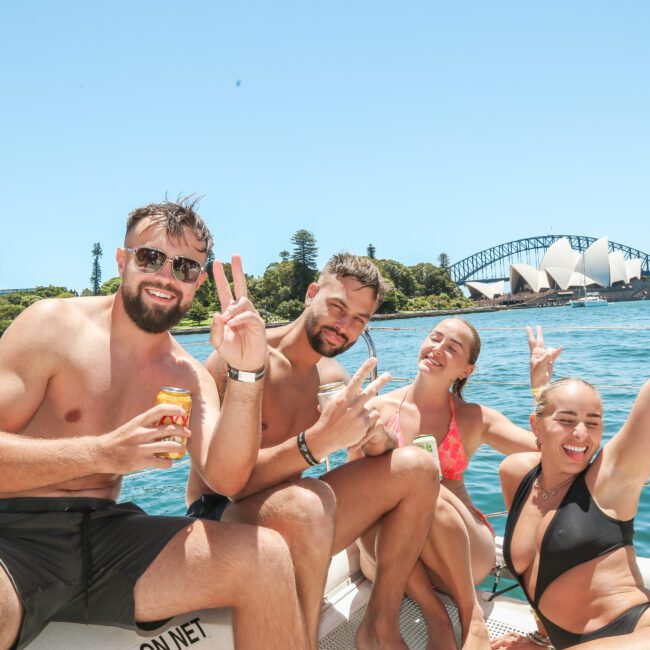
346 597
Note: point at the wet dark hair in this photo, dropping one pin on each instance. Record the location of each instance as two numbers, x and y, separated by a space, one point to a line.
173 216
474 351
346 265
545 392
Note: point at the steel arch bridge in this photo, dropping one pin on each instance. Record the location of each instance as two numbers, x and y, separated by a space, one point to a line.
512 251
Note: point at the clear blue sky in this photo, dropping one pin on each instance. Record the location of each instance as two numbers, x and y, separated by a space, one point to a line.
418 126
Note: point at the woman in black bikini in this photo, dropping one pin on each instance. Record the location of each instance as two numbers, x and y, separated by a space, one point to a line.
570 527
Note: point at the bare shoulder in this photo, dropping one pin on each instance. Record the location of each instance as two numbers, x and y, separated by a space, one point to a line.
513 468
330 370
52 322
511 472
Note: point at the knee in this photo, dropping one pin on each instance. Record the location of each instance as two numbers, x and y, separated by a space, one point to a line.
448 519
306 514
419 467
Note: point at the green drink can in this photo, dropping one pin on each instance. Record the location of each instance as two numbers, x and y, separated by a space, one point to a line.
426 442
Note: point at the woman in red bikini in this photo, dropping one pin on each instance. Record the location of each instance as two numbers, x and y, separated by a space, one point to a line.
460 550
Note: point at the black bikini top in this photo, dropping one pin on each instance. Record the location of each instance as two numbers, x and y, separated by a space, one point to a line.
579 531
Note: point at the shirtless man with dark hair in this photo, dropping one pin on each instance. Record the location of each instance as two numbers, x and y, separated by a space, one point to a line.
397 489
79 379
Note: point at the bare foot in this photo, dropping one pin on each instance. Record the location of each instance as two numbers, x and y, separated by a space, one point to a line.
371 637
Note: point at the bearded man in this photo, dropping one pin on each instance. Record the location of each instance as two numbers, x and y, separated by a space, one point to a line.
396 489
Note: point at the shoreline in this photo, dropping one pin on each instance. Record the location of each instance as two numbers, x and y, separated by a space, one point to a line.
532 301
202 329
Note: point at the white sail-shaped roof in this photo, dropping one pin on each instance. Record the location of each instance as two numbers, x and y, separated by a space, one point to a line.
486 289
522 275
564 268
580 280
594 262
633 269
561 276
559 255
617 270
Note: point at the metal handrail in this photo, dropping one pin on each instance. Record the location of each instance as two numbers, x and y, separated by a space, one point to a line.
372 350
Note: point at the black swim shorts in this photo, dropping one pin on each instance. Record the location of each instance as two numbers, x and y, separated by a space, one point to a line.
77 560
208 506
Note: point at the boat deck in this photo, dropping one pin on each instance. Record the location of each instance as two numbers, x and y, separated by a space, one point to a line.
502 615
346 597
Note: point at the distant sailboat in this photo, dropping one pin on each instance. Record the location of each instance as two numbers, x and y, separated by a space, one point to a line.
584 299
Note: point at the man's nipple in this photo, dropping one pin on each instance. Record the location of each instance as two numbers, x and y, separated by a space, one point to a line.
73 416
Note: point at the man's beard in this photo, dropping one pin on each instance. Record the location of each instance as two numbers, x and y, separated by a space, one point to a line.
319 344
153 320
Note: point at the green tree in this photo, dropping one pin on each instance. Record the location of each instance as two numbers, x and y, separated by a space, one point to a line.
208 266
198 312
400 275
443 262
371 250
304 257
284 256
206 296
393 301
110 286
54 292
96 275
274 287
289 309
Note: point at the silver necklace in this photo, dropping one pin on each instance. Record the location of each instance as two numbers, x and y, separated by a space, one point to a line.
551 492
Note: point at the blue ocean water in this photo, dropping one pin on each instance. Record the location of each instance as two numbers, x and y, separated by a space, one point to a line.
609 346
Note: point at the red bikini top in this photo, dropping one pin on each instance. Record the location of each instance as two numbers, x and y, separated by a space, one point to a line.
451 453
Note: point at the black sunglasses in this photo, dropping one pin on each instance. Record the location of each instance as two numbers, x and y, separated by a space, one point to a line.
151 260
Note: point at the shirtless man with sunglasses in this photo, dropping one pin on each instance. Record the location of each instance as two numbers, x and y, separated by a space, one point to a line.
79 379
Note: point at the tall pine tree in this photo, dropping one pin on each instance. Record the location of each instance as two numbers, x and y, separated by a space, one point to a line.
304 257
96 275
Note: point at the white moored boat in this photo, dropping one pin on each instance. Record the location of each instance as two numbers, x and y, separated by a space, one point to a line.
590 300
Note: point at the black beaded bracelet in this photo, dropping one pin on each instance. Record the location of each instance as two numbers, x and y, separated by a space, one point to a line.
304 449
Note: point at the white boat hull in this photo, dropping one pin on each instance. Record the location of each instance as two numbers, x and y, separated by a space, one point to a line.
346 596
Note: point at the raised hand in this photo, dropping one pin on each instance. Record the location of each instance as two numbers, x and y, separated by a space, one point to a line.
238 332
345 420
134 445
541 358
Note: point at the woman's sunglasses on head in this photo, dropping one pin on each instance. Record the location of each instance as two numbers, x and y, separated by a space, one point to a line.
151 260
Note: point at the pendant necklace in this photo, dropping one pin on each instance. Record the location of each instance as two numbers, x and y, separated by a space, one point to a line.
551 492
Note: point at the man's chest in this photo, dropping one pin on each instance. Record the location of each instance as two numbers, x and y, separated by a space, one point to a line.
96 391
290 406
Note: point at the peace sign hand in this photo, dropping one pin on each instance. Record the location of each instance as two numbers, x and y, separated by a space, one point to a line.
345 420
541 358
238 332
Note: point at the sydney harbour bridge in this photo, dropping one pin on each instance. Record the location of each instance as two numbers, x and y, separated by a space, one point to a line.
494 263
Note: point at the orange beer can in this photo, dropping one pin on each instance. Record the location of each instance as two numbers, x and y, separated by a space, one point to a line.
182 397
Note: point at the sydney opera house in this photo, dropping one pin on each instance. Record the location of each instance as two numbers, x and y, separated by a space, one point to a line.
565 269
